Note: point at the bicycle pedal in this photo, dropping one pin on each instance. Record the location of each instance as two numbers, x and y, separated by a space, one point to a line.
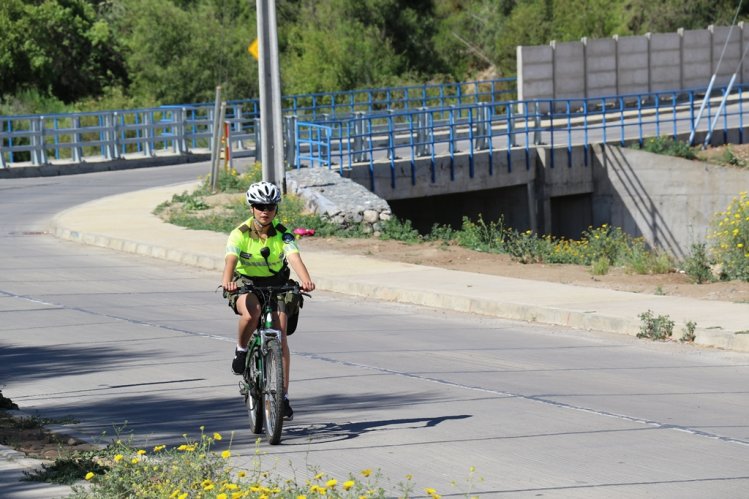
244 388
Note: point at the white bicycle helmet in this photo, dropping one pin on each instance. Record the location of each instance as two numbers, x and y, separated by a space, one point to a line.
263 193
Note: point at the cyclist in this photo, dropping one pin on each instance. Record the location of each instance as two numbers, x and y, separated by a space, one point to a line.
248 260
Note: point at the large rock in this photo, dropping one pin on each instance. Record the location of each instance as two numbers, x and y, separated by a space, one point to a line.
337 199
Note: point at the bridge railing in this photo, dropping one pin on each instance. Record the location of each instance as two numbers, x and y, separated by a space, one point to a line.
141 133
348 103
411 135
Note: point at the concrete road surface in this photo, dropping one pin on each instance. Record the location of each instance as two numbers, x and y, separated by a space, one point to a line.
136 346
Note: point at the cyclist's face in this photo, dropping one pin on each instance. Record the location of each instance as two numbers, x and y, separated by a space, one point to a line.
264 213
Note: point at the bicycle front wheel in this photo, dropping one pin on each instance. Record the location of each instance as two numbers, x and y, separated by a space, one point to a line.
273 392
253 397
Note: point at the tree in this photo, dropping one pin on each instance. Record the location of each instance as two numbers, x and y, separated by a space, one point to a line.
179 56
641 16
346 44
58 47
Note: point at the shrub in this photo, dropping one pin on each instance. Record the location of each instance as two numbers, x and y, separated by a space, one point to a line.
481 236
697 264
399 230
669 146
605 242
730 235
688 334
655 328
600 266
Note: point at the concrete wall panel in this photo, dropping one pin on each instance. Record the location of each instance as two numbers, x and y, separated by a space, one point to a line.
569 70
726 41
665 61
632 68
601 67
535 68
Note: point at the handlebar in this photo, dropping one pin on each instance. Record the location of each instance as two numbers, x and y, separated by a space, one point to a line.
270 290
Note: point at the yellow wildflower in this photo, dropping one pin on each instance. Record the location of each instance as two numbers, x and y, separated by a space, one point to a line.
366 472
135 460
331 483
89 475
217 436
118 458
348 484
226 454
159 448
141 452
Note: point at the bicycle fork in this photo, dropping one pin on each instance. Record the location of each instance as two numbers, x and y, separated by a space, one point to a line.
256 373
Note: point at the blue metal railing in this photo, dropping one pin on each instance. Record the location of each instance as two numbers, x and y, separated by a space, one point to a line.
108 135
348 103
426 133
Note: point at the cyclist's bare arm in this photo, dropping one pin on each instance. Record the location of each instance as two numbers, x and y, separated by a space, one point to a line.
300 269
227 279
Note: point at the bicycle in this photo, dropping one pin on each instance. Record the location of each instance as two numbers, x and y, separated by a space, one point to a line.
262 380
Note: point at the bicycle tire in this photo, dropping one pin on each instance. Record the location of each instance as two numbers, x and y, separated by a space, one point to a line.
254 403
273 392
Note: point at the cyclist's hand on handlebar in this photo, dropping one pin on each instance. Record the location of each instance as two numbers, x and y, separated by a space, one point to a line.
230 286
307 286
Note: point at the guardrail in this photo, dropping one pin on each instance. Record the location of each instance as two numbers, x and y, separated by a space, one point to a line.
406 136
142 133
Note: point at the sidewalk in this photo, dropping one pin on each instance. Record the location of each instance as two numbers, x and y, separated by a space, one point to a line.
125 223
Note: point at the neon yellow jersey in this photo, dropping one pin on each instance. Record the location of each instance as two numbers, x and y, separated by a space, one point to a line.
245 243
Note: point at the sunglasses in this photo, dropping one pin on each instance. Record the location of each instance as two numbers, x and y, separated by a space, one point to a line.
264 207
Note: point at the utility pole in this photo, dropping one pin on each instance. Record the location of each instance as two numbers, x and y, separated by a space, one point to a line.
271 127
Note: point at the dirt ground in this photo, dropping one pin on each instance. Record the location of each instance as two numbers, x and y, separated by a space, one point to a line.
34 440
458 258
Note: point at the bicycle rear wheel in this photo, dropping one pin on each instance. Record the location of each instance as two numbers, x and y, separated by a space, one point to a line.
253 397
273 392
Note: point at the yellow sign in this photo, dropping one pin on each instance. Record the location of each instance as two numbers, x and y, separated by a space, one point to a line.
252 49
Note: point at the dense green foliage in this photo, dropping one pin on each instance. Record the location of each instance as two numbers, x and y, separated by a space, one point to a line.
58 55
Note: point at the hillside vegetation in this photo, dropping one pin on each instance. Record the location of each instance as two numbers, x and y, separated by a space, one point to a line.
77 55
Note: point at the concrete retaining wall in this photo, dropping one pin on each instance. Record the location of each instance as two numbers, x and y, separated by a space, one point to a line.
668 201
447 176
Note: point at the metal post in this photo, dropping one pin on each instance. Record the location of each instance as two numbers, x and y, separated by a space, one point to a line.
37 141
702 108
270 94
218 122
180 118
421 133
720 110
290 132
148 129
358 137
215 127
114 135
77 150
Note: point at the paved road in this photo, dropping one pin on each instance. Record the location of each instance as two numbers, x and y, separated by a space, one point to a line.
124 342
